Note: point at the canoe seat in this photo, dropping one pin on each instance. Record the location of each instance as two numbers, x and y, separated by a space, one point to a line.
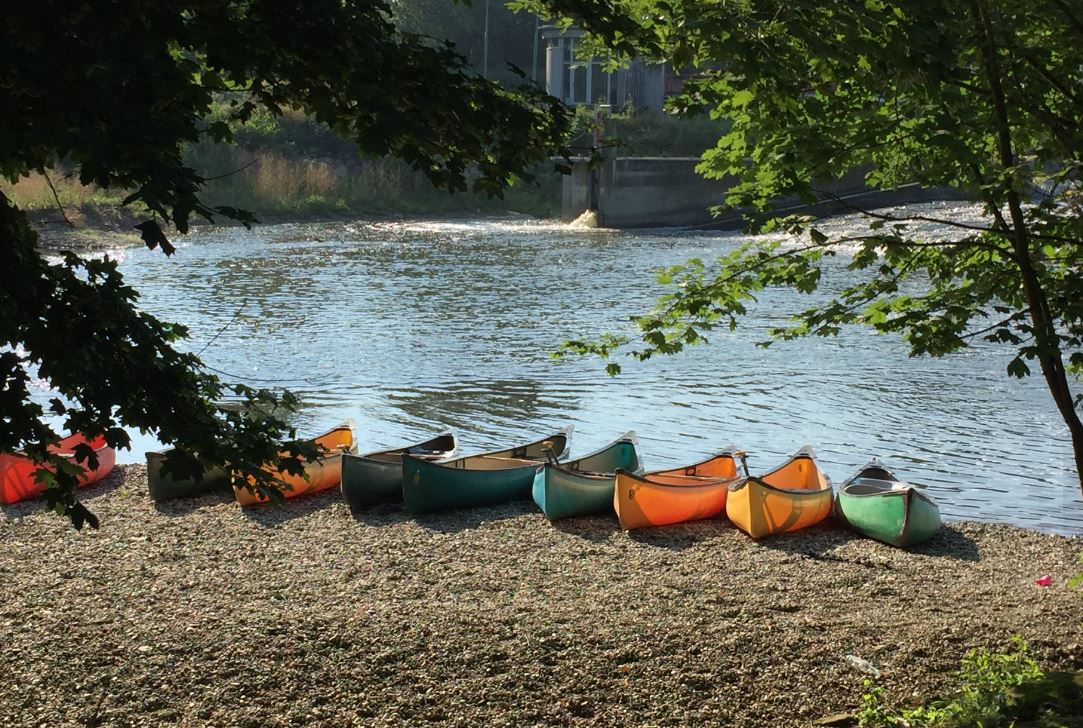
872 486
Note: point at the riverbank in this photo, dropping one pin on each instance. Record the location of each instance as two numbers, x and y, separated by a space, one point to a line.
93 228
199 612
276 189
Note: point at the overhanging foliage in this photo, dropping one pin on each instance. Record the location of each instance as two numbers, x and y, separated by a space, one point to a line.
114 90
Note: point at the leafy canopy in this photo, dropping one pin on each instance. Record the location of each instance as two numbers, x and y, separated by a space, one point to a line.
114 90
985 96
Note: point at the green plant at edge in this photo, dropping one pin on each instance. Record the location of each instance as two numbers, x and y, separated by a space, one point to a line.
984 698
1077 580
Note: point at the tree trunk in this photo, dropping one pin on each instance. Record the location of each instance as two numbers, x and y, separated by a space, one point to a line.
1049 354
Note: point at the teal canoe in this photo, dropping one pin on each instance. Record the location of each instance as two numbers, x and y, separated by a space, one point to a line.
477 480
376 477
585 486
877 504
166 487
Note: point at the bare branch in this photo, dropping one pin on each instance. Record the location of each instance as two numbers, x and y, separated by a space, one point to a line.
230 174
56 197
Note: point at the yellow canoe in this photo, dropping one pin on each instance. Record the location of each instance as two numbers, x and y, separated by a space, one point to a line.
320 474
794 495
662 497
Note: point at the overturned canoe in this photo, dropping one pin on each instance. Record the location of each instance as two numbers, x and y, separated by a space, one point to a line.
877 504
794 495
320 474
17 469
476 480
166 487
676 495
584 486
377 476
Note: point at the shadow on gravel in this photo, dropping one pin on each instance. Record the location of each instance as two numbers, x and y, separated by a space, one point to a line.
270 515
455 521
949 543
379 516
815 542
590 528
819 542
184 506
680 536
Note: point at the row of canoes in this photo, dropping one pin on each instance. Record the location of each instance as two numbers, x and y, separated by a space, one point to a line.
430 476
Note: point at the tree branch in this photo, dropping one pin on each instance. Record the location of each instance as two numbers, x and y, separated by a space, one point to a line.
56 197
1067 11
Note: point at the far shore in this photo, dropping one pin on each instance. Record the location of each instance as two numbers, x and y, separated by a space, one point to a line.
199 612
98 227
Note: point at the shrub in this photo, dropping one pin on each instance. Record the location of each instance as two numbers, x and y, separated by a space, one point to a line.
987 697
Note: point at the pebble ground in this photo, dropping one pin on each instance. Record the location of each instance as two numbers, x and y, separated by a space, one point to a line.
199 612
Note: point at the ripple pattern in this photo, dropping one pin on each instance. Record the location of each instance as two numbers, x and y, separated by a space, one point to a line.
410 327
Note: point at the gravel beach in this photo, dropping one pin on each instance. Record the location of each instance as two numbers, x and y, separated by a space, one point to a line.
198 612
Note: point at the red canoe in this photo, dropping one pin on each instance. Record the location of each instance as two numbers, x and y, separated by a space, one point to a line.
17 470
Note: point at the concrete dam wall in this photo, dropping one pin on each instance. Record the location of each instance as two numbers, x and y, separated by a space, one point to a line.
635 192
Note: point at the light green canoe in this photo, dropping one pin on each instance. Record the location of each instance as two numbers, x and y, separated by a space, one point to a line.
877 504
585 486
477 480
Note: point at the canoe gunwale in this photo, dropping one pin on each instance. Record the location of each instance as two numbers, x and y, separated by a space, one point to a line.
565 467
585 474
514 463
805 452
370 457
68 454
847 486
730 451
707 481
758 480
565 432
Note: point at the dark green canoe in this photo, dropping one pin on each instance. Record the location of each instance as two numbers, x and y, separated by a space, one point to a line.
376 477
585 486
166 487
877 504
477 480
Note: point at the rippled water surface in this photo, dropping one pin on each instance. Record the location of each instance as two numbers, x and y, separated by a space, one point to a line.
408 328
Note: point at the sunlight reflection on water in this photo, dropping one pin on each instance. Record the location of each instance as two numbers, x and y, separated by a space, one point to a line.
411 327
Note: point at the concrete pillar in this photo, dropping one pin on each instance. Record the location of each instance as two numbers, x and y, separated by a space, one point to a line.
654 86
554 67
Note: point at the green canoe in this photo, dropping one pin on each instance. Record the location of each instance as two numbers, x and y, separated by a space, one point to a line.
166 487
585 486
877 504
476 480
377 476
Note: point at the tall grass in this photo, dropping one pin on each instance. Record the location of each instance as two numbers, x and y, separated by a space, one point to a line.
271 183
274 185
34 193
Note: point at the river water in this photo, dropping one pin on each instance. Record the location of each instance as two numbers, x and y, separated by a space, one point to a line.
407 328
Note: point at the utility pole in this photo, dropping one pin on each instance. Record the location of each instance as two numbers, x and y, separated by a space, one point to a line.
534 58
485 44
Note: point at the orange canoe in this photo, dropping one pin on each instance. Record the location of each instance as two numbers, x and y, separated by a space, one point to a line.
17 470
676 495
794 495
320 474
